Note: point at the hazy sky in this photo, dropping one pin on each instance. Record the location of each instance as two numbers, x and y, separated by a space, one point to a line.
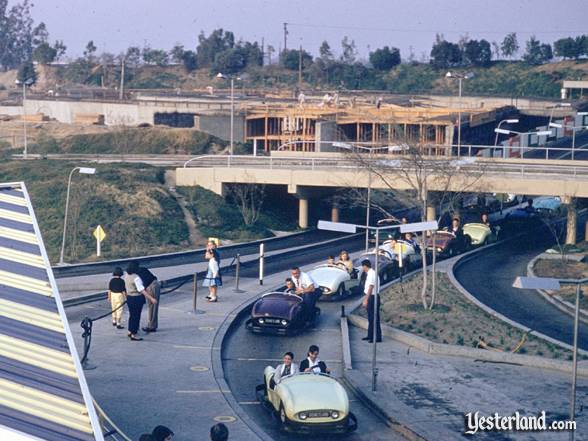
117 24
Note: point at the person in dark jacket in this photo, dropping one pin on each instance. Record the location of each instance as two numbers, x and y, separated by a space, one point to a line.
312 363
162 433
135 280
219 432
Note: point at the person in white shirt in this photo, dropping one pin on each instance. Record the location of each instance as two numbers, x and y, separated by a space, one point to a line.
369 290
286 369
213 279
306 288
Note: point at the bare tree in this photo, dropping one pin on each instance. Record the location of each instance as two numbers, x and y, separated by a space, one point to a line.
249 199
420 174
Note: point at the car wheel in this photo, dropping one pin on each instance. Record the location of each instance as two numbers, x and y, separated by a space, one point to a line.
283 417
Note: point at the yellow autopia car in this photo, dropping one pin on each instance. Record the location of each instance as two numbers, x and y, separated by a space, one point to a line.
308 403
480 234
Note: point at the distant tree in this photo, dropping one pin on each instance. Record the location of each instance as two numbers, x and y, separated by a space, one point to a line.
582 44
445 54
208 47
537 52
60 49
229 61
478 53
349 53
90 51
189 60
78 71
270 51
251 52
510 45
567 48
133 56
289 58
177 53
325 51
385 58
157 57
44 53
26 73
496 50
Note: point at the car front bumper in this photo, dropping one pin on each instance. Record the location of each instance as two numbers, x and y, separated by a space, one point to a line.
346 425
273 329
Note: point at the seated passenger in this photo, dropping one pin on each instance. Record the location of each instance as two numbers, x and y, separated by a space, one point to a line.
290 287
345 261
485 220
389 246
330 261
408 237
286 369
312 363
307 288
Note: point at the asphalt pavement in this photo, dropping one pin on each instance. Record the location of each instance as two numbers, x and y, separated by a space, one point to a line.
489 277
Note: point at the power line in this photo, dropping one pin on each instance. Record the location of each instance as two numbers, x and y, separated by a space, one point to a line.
448 31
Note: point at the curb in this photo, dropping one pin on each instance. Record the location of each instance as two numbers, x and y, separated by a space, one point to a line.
493 313
433 348
227 326
556 300
351 378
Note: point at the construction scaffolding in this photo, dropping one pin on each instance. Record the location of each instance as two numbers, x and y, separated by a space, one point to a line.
303 126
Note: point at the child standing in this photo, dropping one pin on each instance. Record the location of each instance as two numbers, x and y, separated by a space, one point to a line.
213 278
117 294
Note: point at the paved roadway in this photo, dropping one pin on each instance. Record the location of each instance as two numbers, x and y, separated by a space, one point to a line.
489 277
245 355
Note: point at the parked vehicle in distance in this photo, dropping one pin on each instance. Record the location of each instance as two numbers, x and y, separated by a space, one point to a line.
544 205
307 403
280 313
480 234
335 281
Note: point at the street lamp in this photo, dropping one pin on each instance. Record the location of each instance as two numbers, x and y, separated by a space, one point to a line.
460 78
232 78
83 171
352 229
25 83
514 132
551 284
507 121
574 128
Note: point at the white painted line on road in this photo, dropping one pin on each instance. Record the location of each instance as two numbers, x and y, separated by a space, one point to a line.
190 347
246 403
217 391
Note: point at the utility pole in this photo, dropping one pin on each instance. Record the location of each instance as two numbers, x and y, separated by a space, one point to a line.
300 68
285 36
262 51
121 93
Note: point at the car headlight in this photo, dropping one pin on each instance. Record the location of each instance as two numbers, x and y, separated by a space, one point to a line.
334 414
261 321
303 415
284 322
325 289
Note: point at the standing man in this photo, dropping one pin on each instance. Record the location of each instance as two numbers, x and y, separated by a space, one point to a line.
368 302
146 282
306 288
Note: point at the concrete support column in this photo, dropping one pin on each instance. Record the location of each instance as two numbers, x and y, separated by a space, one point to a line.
571 227
335 214
586 232
431 213
303 213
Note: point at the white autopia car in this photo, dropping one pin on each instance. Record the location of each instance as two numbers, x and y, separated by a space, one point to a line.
334 280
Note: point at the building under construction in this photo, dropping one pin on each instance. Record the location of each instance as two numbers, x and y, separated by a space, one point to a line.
309 127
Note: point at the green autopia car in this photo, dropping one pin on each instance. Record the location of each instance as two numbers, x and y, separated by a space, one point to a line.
308 403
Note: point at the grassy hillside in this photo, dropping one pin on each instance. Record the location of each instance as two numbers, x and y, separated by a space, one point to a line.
125 140
129 201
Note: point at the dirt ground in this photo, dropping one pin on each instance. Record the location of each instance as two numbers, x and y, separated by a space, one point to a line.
563 269
454 320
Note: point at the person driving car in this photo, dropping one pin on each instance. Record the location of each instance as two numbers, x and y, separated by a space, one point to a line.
284 370
307 288
330 260
290 287
312 363
345 261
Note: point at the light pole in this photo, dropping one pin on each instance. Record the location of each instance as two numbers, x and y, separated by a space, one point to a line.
460 78
507 121
232 79
574 128
514 132
554 285
84 171
25 83
352 229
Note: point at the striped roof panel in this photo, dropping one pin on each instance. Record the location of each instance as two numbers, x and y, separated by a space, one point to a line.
43 392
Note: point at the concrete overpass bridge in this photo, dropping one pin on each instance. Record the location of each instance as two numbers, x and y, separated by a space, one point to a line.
313 175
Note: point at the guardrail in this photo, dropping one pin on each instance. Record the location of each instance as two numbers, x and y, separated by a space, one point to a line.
194 256
520 167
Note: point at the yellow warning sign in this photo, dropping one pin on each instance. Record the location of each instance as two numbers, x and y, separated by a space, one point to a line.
99 233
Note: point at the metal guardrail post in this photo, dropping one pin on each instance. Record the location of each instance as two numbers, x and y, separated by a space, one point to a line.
261 262
195 293
237 273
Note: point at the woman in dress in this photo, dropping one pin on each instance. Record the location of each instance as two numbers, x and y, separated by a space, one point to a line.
213 278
